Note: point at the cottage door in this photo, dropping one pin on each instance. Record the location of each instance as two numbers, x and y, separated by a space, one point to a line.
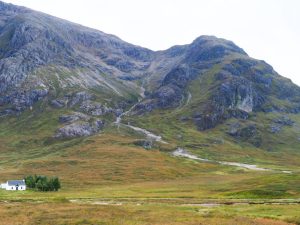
17 187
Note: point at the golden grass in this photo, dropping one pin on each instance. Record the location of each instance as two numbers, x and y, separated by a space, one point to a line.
111 166
102 160
68 213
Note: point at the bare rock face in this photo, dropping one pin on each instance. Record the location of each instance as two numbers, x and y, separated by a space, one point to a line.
246 133
235 97
95 108
79 129
72 99
79 97
237 88
20 100
279 123
33 45
57 103
73 117
284 120
238 94
196 58
78 124
167 96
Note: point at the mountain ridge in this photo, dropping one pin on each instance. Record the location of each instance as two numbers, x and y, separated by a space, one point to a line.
48 61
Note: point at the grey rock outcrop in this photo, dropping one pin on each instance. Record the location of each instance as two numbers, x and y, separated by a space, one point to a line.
20 100
247 133
38 50
79 129
73 117
78 98
284 120
57 103
275 128
279 123
95 108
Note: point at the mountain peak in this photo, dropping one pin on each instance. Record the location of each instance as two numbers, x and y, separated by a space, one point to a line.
209 41
11 8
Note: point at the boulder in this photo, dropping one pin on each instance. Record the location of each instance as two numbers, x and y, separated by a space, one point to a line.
79 129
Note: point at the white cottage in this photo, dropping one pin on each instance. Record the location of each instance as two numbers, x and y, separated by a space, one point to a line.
14 185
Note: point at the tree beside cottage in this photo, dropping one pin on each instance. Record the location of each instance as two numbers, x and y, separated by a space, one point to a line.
42 183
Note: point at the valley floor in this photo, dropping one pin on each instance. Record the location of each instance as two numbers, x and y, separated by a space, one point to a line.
64 212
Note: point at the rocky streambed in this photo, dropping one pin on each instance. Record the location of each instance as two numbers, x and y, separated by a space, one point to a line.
184 153
149 135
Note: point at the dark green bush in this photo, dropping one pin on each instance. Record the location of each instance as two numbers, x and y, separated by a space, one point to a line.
42 183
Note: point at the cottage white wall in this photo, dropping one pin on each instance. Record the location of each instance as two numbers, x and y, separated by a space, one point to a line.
10 188
13 188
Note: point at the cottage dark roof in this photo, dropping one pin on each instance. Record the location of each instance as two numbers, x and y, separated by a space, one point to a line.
15 182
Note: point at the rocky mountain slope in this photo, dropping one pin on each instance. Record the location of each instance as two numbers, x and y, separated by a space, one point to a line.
41 55
91 80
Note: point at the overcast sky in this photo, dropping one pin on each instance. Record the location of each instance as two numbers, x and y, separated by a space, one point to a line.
265 29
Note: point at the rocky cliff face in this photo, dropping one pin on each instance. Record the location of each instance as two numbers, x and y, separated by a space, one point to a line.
40 54
238 84
68 66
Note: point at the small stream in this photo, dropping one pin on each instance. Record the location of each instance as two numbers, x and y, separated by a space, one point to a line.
183 153
180 151
147 133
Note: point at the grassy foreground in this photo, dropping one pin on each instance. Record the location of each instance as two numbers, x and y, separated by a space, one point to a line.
73 213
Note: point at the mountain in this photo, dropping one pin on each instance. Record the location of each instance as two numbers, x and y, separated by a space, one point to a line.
139 136
33 44
65 81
